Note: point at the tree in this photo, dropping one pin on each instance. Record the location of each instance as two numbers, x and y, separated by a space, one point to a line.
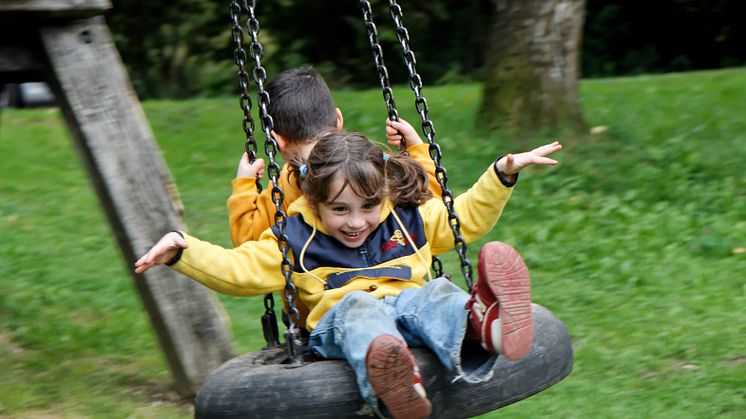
532 65
174 49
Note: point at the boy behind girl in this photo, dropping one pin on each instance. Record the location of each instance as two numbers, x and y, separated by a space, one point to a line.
302 111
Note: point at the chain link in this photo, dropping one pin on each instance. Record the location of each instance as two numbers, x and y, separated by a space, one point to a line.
415 82
292 335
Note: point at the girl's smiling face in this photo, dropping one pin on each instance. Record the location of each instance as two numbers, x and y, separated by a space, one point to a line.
348 217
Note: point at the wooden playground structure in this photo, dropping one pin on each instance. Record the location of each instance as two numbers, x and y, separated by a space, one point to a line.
67 44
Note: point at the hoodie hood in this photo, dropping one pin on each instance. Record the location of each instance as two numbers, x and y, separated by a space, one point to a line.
303 208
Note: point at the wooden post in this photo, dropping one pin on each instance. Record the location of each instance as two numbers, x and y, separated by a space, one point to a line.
135 188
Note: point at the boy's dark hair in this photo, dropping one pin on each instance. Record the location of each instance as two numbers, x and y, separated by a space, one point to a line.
301 105
362 166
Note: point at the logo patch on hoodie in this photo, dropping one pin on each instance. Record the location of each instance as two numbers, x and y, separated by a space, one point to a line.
398 239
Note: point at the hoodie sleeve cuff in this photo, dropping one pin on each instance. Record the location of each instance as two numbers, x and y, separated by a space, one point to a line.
502 176
181 251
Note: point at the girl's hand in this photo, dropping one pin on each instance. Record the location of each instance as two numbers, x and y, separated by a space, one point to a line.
396 131
514 163
164 251
246 169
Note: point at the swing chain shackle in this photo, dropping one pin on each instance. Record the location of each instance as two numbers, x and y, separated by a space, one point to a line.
292 334
239 56
415 82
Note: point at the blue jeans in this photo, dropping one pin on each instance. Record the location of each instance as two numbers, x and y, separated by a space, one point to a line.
433 316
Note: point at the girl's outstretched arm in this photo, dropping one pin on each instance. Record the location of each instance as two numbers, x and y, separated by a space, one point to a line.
250 269
164 251
480 207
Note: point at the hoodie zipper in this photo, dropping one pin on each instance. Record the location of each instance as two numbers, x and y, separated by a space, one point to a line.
364 255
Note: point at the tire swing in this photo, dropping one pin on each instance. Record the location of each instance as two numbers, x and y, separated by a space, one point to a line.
283 382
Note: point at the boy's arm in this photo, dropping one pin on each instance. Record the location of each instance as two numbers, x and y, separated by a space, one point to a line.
251 212
242 208
242 204
421 153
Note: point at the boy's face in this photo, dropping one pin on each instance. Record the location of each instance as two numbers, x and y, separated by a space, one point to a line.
349 218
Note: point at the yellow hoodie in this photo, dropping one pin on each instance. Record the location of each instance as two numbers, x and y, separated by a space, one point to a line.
395 256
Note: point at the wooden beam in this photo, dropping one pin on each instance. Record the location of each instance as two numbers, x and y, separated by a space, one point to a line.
55 8
136 190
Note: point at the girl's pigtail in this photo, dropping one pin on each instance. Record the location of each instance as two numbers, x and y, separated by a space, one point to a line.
406 181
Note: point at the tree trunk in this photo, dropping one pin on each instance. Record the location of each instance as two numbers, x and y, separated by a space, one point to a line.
532 65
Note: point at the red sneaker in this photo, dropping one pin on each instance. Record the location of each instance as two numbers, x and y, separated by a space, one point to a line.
500 303
395 377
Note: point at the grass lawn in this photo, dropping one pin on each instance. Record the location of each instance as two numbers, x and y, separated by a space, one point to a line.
637 241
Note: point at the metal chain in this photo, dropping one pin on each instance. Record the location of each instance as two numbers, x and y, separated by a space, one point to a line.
292 334
388 94
239 56
269 319
383 74
415 82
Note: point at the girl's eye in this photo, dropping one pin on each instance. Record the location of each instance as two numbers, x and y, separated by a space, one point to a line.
339 209
371 205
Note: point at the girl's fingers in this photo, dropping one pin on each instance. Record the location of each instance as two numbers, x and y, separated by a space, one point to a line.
146 258
142 265
393 134
547 149
509 160
545 161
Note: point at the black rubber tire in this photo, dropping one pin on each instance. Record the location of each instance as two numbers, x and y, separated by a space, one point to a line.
258 385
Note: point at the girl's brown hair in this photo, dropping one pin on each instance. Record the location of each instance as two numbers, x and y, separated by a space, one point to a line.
362 166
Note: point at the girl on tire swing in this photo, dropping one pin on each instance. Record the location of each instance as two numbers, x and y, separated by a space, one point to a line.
361 239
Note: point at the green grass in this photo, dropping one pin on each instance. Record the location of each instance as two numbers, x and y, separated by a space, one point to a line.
636 241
